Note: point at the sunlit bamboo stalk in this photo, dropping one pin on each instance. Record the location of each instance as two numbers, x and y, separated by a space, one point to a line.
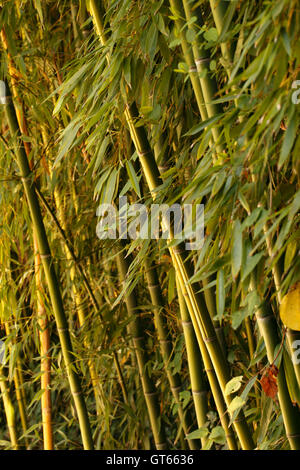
196 305
290 413
137 334
47 261
9 410
166 348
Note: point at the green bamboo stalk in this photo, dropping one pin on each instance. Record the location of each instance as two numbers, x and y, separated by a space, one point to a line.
44 335
196 305
204 88
153 179
209 91
166 348
195 302
209 369
292 335
210 300
9 410
290 413
194 364
86 282
17 377
219 9
137 334
194 357
201 58
78 303
47 261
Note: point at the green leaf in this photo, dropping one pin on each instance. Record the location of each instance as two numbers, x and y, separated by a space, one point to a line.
251 262
198 434
185 397
211 35
233 385
190 35
288 140
68 138
244 395
133 178
218 435
237 248
220 294
101 153
236 404
238 317
286 42
38 6
199 127
171 285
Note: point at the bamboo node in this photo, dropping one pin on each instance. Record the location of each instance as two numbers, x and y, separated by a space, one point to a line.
26 178
62 329
5 99
239 420
138 338
143 154
164 340
45 256
163 168
161 445
199 392
150 394
210 340
177 250
202 60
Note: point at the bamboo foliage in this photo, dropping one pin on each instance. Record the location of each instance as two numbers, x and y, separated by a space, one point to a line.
178 102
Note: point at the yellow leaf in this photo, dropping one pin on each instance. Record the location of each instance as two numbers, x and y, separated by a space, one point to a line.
290 308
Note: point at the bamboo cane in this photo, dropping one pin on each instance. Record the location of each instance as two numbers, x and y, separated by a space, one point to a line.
19 395
44 335
167 348
200 59
209 369
196 305
290 414
219 9
137 334
195 302
9 410
50 274
42 316
194 360
276 272
194 363
77 298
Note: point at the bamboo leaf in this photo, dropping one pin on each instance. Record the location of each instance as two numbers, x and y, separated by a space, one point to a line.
233 385
237 249
220 293
133 178
288 141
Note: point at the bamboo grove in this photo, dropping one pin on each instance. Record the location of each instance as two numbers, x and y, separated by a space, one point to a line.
139 342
